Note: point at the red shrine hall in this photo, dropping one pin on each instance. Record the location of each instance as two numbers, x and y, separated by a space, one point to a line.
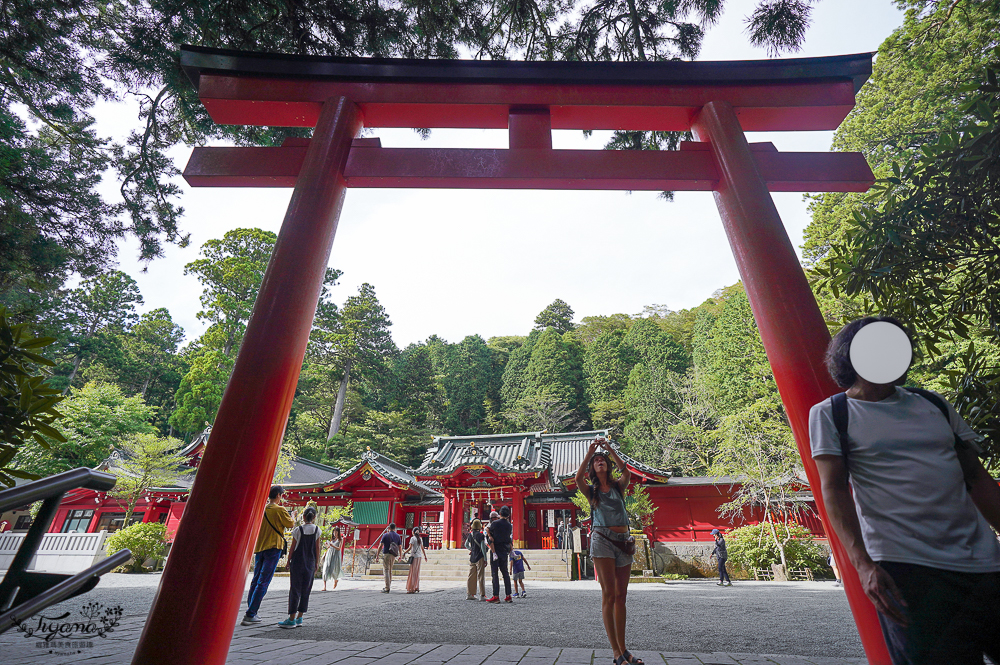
459 479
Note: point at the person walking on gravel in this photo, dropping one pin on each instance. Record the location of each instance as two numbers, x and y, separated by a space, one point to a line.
391 545
720 557
303 560
611 546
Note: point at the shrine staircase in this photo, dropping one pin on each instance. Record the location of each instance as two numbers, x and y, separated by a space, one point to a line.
453 566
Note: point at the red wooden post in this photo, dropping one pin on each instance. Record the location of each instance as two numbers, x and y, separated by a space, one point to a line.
517 517
196 610
791 326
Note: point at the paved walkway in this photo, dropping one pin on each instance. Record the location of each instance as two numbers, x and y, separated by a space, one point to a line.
439 612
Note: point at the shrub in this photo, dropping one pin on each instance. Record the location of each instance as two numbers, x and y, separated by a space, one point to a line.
753 546
145 541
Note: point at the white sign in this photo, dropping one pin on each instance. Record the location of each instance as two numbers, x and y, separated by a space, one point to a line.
357 534
551 519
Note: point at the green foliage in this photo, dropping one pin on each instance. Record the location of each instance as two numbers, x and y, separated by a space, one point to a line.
391 434
730 354
95 313
555 370
753 546
469 379
27 403
921 248
606 366
231 271
200 391
558 315
144 540
95 418
144 461
914 96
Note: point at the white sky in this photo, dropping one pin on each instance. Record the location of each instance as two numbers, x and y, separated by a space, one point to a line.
461 262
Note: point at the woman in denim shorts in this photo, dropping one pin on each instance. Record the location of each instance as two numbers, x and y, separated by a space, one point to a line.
610 526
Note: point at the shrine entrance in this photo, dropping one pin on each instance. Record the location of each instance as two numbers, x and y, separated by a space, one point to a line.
202 585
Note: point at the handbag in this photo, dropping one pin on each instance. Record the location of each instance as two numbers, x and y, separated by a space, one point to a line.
284 543
627 546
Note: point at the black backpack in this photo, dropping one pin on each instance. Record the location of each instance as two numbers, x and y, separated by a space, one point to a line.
838 403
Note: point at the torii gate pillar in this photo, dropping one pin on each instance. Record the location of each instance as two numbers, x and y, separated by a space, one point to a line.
197 605
790 323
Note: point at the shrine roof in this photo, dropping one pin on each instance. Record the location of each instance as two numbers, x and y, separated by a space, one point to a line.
388 468
308 472
525 452
199 60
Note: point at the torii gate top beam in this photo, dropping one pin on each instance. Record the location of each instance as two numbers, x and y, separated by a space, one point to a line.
246 88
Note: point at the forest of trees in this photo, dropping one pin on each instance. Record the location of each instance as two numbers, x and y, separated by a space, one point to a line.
689 391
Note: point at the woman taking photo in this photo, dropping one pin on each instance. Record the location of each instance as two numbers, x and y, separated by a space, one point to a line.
610 543
333 559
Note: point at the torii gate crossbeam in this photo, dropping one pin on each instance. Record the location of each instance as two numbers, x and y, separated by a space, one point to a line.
203 581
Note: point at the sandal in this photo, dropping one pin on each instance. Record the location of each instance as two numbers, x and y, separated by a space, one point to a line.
620 660
629 658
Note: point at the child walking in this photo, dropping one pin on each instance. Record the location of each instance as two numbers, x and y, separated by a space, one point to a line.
303 558
517 563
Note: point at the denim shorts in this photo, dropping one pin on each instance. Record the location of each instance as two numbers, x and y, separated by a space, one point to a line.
600 548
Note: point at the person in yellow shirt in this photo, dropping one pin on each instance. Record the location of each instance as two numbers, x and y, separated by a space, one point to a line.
271 544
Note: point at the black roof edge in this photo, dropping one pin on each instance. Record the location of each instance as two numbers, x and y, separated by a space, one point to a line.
198 59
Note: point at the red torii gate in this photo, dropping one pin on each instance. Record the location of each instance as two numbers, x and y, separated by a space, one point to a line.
202 586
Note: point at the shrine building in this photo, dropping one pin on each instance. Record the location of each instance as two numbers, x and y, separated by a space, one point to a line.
459 479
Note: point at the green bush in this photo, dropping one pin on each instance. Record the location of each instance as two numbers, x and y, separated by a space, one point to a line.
145 541
753 546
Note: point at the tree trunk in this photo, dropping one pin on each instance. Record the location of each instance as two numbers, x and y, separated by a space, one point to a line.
338 410
636 31
72 375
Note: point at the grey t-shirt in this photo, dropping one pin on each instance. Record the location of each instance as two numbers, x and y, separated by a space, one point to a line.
908 485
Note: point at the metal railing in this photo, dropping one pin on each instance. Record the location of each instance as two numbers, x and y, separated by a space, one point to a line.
24 593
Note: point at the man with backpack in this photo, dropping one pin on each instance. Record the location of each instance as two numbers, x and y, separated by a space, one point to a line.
478 551
392 544
271 546
917 528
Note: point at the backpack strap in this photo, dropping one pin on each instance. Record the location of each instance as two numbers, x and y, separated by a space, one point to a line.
838 404
968 470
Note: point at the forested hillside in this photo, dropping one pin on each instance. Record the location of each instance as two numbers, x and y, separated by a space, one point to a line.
665 382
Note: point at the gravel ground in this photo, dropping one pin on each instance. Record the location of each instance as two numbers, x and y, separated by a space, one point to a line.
804 618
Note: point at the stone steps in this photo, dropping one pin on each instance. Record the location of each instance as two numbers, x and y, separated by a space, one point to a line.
453 565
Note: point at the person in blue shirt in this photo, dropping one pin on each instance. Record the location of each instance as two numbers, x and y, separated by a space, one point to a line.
517 563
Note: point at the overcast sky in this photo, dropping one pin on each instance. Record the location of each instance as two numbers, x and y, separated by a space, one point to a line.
463 262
